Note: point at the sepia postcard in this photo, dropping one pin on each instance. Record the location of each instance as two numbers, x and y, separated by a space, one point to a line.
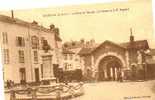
103 51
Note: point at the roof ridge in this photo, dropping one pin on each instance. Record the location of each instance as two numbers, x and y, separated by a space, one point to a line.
23 22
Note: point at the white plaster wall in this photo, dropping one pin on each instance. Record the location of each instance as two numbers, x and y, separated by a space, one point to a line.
12 69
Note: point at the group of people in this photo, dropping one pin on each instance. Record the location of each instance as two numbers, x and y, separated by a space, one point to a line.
9 83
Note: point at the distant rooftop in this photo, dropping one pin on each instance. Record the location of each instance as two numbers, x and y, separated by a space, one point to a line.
80 44
67 51
33 24
141 44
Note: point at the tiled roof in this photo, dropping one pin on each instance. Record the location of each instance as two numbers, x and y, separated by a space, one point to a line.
76 50
110 42
66 51
73 45
79 44
23 23
85 51
141 44
33 24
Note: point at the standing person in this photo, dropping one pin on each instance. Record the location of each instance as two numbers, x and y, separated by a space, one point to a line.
8 83
120 79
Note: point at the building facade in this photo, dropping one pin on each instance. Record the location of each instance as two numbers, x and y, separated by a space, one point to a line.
112 61
29 50
71 58
150 60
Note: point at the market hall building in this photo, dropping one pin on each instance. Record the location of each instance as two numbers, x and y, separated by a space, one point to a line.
110 61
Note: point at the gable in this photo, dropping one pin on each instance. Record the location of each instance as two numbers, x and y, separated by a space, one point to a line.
141 44
108 45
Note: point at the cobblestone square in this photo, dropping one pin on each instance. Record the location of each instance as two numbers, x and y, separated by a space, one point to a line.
119 91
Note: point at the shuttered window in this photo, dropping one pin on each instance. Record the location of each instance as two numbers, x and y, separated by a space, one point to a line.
20 41
35 56
21 56
6 56
5 37
35 42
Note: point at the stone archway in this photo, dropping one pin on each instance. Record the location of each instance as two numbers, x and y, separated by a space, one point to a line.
110 66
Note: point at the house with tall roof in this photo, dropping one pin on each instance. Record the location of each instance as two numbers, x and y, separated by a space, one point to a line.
29 50
71 58
110 61
68 60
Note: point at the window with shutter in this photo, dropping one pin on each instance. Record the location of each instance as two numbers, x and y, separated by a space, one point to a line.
65 56
35 42
35 57
5 37
23 42
21 56
6 56
20 41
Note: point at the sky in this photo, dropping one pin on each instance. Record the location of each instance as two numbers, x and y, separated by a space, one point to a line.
104 26
102 21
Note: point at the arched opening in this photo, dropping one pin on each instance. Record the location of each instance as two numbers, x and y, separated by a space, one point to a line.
109 68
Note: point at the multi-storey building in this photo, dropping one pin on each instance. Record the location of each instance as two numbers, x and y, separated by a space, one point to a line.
71 58
29 50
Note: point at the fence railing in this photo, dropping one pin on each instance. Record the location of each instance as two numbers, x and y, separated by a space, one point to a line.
56 92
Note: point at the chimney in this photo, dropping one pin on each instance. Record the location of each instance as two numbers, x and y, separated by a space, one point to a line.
52 26
56 30
12 14
35 22
131 36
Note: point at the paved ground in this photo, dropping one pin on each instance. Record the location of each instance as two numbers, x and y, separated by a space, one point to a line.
119 91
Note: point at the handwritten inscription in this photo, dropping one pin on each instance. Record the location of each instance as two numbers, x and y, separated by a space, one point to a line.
88 12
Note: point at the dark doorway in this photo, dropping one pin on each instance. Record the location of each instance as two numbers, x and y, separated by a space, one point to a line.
22 75
109 68
113 68
37 75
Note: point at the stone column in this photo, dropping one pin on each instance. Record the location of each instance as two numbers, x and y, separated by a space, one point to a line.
127 59
93 66
140 58
105 74
111 72
92 61
116 73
